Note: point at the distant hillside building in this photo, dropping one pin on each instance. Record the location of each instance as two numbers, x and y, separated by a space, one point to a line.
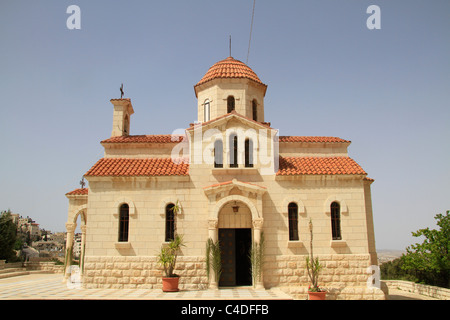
235 180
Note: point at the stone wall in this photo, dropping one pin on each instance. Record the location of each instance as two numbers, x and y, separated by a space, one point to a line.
431 291
141 272
49 267
344 276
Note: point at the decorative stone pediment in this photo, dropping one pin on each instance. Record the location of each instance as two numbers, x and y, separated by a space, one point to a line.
234 187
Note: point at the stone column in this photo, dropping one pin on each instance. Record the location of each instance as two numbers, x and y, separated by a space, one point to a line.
213 235
83 244
212 229
257 229
70 227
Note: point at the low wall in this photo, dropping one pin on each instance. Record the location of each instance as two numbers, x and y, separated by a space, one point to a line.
430 291
50 267
13 265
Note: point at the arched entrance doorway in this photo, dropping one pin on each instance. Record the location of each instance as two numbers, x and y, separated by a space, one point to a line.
246 221
235 238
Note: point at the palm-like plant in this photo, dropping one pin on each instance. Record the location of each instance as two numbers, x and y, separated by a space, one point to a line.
168 255
213 259
256 256
313 265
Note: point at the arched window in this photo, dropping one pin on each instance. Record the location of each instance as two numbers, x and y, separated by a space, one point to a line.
293 221
126 125
233 151
255 110
230 104
206 111
170 222
124 219
248 153
218 154
336 221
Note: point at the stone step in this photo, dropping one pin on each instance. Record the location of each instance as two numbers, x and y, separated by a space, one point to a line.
11 270
14 274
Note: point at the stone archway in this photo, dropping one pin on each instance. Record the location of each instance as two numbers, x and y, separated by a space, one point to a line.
71 225
235 238
227 193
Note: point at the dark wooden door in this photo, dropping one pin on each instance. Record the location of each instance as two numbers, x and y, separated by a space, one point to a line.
234 246
227 241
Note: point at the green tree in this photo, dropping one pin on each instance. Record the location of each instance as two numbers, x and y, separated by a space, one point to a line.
8 233
430 260
393 270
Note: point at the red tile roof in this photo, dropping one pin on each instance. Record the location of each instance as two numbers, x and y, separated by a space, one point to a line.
229 68
311 139
318 165
78 192
159 138
121 99
167 138
118 167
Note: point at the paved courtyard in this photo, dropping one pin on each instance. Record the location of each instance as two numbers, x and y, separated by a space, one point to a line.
51 287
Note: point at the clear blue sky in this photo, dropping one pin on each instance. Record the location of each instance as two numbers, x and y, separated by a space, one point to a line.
386 90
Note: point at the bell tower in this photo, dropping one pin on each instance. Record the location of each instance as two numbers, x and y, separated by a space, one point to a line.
230 86
121 117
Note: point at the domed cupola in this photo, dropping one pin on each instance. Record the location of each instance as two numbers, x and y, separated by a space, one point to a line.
230 85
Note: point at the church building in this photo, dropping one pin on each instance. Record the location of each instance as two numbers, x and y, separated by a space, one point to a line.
232 178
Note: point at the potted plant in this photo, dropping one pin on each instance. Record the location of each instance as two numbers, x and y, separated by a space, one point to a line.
168 259
313 266
213 261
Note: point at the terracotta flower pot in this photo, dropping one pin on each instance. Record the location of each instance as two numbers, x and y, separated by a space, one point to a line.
317 295
170 284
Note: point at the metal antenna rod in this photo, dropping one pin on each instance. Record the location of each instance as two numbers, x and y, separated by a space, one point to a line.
230 45
251 29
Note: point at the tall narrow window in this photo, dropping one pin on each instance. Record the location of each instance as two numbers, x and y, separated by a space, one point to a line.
293 221
233 151
230 104
206 111
170 222
218 154
124 219
336 221
248 153
255 110
126 125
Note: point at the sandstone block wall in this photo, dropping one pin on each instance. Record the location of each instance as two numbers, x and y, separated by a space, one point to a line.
344 276
141 272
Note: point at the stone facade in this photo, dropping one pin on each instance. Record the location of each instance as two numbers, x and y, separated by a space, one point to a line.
311 172
141 272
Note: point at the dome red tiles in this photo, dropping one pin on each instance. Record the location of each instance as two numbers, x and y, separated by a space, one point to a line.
229 68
